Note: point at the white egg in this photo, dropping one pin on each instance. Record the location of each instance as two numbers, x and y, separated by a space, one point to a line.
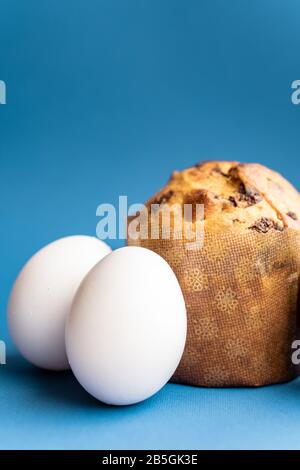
42 297
126 331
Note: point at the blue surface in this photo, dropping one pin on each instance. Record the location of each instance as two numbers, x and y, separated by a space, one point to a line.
106 98
44 410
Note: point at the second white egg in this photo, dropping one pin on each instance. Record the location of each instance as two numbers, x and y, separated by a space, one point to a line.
127 328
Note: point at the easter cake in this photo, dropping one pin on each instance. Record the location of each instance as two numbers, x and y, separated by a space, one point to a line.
240 286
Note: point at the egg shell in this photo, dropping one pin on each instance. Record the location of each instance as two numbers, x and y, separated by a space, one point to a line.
42 296
126 331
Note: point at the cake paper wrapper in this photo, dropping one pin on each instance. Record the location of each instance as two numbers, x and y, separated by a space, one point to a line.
241 293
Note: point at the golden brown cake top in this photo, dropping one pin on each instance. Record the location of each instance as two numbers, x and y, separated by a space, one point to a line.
236 196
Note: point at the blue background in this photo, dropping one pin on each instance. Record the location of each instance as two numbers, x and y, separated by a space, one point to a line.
106 98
